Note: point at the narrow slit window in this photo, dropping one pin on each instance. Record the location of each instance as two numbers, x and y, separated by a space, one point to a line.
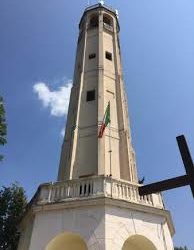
92 56
90 96
108 55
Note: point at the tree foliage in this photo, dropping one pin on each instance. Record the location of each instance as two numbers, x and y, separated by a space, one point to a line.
12 207
181 248
3 126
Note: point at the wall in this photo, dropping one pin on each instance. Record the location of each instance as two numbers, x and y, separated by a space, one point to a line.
100 226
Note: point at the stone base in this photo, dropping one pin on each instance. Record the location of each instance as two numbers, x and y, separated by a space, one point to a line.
96 224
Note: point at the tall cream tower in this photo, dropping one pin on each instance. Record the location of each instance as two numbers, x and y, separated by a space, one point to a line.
95 203
98 79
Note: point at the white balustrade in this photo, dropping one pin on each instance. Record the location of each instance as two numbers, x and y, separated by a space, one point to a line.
98 186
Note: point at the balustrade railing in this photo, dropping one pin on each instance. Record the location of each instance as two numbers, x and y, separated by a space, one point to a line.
92 187
108 27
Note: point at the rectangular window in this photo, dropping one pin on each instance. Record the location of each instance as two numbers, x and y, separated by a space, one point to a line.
90 96
91 56
108 55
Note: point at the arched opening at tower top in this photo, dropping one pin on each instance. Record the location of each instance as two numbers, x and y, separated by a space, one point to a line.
107 20
94 21
67 241
138 242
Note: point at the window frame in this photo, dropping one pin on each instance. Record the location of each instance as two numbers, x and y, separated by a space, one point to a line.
90 95
92 56
108 55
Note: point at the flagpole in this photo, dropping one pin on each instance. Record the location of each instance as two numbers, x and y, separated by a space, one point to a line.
110 149
110 152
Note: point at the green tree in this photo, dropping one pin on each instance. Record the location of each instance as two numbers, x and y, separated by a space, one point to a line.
181 248
12 207
3 125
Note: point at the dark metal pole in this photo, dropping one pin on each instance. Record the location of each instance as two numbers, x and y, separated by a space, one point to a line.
187 160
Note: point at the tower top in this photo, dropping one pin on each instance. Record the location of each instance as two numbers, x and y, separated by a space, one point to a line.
100 5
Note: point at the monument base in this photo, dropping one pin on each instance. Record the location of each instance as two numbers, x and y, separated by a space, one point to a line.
93 214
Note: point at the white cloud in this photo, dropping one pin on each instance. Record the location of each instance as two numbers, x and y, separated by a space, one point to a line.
63 132
57 101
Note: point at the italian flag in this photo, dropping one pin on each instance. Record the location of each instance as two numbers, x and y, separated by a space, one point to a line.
105 122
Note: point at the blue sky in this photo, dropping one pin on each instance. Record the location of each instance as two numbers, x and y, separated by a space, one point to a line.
37 52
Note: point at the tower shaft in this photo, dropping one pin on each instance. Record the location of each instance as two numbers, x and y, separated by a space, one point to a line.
98 80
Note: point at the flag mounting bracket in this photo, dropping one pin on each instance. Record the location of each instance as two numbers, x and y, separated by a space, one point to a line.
176 182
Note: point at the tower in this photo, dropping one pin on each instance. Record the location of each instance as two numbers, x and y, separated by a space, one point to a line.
95 202
98 79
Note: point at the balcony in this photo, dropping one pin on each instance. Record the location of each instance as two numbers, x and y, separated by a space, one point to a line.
95 187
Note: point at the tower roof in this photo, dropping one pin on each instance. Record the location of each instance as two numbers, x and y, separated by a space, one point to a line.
100 6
